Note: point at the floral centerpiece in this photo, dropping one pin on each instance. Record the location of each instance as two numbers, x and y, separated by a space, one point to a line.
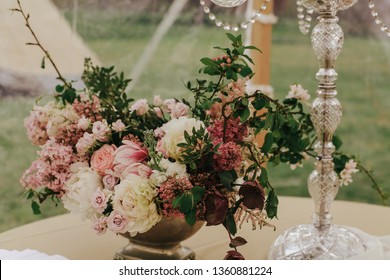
126 164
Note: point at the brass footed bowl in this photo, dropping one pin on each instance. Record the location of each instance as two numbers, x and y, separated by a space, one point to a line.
161 242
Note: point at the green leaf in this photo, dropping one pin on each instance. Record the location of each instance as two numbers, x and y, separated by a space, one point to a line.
43 65
198 193
303 144
252 48
263 178
269 120
30 194
268 141
337 142
35 207
186 202
230 224
190 217
244 115
259 103
231 37
176 202
272 205
246 71
227 179
59 88
208 61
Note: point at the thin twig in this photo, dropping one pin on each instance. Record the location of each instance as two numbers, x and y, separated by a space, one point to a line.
38 43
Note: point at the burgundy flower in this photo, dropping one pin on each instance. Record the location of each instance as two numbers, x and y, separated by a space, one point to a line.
253 195
234 255
216 209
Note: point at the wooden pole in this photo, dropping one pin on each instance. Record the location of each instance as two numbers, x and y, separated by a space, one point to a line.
261 37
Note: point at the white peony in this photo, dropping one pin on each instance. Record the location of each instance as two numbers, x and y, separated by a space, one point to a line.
174 134
134 199
79 190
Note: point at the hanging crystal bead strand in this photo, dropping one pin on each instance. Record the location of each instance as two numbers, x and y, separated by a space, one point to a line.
304 20
234 27
378 20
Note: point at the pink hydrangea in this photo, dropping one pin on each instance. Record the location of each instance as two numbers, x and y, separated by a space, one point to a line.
88 107
228 158
51 169
169 190
69 135
234 130
35 125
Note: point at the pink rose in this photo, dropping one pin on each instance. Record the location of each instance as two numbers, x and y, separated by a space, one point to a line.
99 201
83 123
103 159
179 110
100 225
109 181
159 112
168 105
140 107
85 143
118 126
138 169
101 130
117 223
130 153
157 101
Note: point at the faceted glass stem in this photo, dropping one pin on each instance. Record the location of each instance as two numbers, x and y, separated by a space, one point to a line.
322 239
327 40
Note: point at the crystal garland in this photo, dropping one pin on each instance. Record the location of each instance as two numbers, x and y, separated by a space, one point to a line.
234 27
378 19
304 21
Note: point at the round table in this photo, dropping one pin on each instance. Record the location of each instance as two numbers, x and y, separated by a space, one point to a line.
72 238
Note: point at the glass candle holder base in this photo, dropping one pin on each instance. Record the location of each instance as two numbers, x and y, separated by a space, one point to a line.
306 242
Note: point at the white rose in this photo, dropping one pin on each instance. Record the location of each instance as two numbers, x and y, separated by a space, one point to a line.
174 134
174 169
78 192
134 199
157 177
59 118
83 123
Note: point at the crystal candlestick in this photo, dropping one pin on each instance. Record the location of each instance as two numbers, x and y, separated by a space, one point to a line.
322 239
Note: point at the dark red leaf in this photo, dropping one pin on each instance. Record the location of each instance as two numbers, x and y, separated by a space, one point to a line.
216 209
237 241
253 195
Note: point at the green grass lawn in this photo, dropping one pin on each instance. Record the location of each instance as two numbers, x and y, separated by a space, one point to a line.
363 87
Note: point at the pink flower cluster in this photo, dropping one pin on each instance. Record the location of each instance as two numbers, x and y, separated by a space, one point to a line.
169 190
51 169
35 125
